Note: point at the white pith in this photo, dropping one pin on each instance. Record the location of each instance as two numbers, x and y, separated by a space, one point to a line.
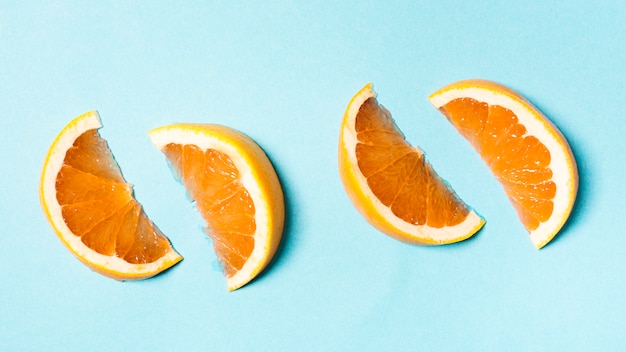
562 163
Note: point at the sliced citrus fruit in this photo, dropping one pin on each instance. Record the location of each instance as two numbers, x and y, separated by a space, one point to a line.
391 183
235 189
93 210
527 154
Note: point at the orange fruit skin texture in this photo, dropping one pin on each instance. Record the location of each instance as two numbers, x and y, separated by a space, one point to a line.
451 209
214 182
97 206
520 162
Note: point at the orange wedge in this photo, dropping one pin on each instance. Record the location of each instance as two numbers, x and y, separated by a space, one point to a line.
526 153
92 208
390 182
235 189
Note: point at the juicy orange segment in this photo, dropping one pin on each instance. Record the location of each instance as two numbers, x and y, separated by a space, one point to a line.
235 190
526 153
392 184
399 175
220 198
520 162
93 210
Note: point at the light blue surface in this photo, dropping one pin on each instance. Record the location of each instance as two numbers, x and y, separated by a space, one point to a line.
284 72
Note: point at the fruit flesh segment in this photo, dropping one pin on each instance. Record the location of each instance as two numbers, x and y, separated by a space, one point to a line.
213 182
98 205
519 162
398 174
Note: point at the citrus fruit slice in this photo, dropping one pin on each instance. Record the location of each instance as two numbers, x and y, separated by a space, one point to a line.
235 190
390 182
92 208
527 154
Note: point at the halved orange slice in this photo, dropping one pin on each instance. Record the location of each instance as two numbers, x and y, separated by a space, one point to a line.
524 150
235 189
390 182
92 209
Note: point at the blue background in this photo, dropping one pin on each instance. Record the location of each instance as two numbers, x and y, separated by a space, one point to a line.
284 72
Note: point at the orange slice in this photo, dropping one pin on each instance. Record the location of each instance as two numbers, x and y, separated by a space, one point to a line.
92 208
390 182
524 150
235 189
